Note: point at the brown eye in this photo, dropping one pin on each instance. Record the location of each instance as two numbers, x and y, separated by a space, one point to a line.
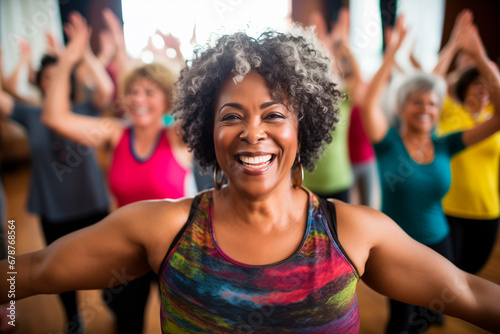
230 117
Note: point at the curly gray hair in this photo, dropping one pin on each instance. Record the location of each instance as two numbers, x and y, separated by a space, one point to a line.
294 65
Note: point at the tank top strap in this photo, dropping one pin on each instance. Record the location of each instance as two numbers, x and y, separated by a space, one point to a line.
192 213
331 216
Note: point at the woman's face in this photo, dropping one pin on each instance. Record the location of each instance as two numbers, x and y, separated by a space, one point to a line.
146 102
255 136
477 95
420 111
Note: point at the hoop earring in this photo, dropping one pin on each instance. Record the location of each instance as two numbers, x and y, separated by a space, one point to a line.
297 174
218 183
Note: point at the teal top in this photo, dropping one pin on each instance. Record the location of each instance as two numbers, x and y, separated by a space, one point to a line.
412 192
333 170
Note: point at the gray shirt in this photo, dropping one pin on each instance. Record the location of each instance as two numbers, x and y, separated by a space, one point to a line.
66 181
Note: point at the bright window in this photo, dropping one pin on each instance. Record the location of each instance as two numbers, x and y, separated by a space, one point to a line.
181 18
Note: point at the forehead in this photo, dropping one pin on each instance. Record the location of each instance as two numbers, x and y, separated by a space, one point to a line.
253 87
428 94
143 82
48 70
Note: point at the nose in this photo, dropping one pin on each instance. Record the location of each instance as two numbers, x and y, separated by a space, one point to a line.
253 134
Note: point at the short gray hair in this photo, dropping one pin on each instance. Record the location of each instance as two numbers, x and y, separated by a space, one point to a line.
420 82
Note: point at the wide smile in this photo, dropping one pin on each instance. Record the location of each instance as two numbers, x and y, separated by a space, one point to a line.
140 111
255 164
424 118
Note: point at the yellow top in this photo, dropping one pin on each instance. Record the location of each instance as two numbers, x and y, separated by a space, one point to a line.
474 190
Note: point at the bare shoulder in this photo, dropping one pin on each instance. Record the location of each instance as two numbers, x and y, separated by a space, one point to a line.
153 224
360 230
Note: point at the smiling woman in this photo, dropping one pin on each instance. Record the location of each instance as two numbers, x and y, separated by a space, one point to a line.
414 165
261 254
298 72
256 136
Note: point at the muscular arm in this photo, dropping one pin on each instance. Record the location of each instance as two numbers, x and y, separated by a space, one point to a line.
122 247
401 268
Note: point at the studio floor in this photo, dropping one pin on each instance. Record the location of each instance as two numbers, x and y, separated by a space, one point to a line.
44 314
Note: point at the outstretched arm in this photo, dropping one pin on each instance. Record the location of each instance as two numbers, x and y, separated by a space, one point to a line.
472 45
394 264
57 114
373 118
116 250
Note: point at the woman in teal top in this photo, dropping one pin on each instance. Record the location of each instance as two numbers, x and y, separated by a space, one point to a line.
412 191
414 166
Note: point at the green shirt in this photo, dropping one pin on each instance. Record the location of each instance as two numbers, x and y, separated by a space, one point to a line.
333 170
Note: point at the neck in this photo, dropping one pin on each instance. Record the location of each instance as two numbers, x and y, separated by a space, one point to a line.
407 132
263 211
149 131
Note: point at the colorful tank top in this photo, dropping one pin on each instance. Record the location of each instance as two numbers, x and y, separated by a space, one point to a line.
158 176
205 291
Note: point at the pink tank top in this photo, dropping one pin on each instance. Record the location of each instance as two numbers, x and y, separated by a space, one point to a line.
158 176
360 148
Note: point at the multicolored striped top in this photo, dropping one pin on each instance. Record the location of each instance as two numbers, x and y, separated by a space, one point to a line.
205 291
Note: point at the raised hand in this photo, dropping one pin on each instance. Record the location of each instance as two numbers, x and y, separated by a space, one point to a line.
115 28
25 49
397 35
470 42
78 33
463 23
107 48
52 47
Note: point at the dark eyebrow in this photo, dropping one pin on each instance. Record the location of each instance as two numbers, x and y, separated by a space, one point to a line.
234 105
270 103
262 106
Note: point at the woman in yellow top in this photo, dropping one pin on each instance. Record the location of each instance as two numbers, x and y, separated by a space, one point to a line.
472 204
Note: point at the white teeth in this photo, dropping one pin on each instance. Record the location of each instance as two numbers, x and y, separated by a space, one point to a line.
252 161
140 111
424 118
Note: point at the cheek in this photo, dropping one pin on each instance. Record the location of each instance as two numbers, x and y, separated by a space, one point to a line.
223 137
290 139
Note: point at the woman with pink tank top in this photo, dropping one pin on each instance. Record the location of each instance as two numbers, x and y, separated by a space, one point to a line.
149 160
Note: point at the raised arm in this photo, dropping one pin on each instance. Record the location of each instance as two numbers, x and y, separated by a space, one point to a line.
57 114
397 266
114 251
463 23
103 85
10 84
472 45
121 59
347 62
373 118
6 100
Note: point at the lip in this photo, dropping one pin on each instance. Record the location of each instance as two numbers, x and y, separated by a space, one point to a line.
254 170
140 111
424 118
